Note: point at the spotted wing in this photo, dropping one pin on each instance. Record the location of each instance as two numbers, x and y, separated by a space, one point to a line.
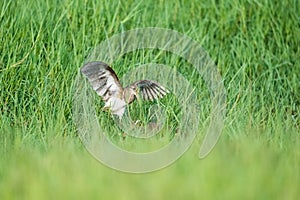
106 84
150 90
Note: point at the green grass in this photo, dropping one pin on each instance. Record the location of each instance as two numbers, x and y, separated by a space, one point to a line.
256 46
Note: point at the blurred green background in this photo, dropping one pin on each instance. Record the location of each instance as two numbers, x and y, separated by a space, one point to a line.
256 47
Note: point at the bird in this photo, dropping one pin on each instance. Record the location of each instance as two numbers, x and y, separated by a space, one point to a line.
106 84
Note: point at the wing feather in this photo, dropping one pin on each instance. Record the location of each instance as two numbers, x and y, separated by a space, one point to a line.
150 90
147 94
106 84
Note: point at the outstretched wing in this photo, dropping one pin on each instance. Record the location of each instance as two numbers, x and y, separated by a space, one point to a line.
107 85
150 90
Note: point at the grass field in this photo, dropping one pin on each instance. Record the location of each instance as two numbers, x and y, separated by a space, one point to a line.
256 47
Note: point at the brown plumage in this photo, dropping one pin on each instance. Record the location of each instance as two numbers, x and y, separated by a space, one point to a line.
107 85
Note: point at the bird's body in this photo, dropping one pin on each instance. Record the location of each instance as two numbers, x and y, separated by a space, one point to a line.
107 85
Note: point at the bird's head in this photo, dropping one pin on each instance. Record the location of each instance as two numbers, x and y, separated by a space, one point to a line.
130 93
